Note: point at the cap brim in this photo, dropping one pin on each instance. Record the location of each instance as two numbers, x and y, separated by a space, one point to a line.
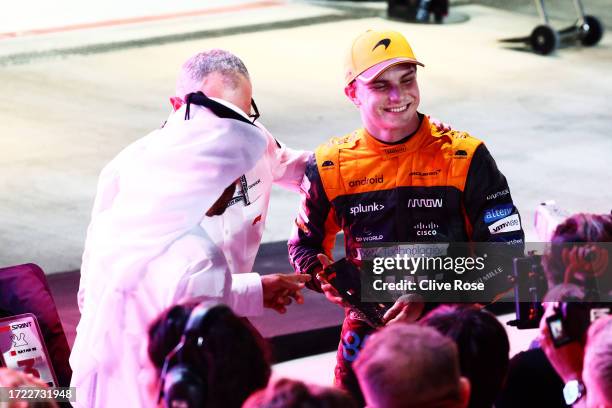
373 72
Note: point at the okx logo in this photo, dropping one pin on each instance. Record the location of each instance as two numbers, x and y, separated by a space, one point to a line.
425 202
366 208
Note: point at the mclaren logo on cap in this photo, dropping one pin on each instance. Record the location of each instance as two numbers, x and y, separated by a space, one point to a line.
384 41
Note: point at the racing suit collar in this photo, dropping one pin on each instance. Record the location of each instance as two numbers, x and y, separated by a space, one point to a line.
415 142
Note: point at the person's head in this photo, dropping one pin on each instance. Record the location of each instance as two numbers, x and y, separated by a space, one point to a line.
222 352
381 80
483 348
405 365
286 393
572 258
219 74
597 369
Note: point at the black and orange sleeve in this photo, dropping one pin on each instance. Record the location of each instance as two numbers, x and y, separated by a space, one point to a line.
488 203
315 226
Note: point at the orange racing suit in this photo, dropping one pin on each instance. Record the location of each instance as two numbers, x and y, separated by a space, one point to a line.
430 187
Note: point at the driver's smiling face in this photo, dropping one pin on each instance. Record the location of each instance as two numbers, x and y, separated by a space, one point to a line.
390 101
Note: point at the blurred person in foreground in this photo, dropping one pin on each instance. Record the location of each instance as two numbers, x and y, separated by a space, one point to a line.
11 379
573 265
411 366
483 348
397 179
587 372
287 393
222 371
148 244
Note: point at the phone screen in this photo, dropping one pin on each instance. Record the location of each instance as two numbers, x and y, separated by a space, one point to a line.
557 330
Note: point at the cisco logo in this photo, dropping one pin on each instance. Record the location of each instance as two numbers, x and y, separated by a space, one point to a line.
423 229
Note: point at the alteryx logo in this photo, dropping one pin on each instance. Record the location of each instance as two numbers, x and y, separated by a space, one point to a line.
497 213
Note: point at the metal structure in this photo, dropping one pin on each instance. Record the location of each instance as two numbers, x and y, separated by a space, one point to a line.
544 39
418 11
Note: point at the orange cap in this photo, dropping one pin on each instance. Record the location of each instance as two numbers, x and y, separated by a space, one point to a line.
375 51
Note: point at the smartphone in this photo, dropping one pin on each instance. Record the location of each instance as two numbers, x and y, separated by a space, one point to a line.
557 329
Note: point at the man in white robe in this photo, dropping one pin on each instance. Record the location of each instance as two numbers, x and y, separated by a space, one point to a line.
149 246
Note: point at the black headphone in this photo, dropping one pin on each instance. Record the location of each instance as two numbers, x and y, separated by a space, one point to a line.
185 376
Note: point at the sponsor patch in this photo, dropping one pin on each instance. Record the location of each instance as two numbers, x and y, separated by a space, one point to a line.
425 203
366 208
395 150
369 238
423 229
377 179
498 194
508 224
497 213
514 242
425 173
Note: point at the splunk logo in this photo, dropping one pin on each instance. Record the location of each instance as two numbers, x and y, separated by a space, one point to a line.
425 202
365 181
366 208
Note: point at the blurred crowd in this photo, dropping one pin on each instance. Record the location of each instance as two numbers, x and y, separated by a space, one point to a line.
455 356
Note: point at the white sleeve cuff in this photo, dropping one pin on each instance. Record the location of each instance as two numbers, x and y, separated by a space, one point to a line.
247 294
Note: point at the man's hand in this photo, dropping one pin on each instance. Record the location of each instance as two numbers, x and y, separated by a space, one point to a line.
328 290
567 359
407 309
279 289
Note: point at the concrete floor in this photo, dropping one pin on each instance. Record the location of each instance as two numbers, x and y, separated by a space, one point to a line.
545 119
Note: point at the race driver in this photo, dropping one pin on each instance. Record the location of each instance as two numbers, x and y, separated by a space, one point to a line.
397 179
